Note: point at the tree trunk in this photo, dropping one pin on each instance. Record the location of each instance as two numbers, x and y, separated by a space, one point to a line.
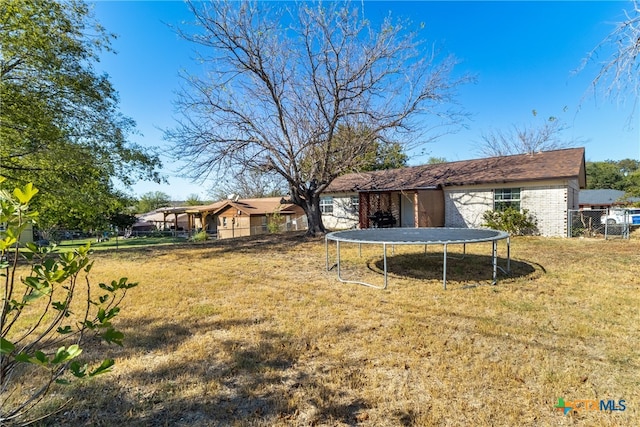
314 218
310 203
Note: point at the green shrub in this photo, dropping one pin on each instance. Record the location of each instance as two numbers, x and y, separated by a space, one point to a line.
201 236
512 221
39 330
274 221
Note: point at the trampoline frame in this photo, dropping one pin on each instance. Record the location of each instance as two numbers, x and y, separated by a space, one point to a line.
344 236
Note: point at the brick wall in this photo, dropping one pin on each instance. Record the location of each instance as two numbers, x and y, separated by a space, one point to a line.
464 207
547 203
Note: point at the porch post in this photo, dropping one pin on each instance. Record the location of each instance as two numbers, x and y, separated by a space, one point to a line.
175 226
203 218
164 221
416 211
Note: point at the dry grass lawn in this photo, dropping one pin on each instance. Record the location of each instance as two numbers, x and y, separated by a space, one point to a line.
256 332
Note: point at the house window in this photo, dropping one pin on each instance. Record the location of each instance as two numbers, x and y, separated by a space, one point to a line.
504 198
224 221
355 204
326 205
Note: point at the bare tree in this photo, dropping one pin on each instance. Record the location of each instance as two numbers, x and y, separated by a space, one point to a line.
281 82
619 74
521 139
250 183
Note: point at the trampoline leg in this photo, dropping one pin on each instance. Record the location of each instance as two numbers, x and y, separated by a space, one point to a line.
326 252
338 258
495 262
384 257
338 266
508 255
444 268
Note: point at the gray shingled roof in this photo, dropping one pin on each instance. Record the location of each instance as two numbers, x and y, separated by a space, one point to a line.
603 197
546 165
600 197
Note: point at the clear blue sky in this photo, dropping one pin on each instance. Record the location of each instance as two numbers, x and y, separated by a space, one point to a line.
524 55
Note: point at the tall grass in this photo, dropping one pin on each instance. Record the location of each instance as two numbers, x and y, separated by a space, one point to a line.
256 332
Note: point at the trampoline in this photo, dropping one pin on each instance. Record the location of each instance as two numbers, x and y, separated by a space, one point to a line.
417 236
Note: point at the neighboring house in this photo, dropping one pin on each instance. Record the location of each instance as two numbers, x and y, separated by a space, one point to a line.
248 217
457 194
235 218
603 199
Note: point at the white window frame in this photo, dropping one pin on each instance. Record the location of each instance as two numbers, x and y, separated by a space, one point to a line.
354 204
326 204
504 198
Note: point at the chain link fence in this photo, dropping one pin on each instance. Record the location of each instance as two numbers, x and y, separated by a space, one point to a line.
599 223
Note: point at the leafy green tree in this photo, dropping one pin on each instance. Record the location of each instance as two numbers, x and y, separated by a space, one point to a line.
91 211
59 121
628 166
46 315
604 175
631 170
436 160
193 200
153 200
122 220
383 156
379 154
614 174
633 184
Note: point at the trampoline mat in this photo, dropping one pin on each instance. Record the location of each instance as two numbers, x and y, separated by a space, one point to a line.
416 236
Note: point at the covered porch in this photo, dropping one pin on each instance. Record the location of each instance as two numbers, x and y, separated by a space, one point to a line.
404 208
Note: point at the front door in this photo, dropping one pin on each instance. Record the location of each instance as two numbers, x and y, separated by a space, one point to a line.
407 211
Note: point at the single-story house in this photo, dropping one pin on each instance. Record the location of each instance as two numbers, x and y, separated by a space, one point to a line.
248 217
456 194
236 217
604 199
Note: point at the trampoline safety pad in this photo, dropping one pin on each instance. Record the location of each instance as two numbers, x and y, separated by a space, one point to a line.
417 236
